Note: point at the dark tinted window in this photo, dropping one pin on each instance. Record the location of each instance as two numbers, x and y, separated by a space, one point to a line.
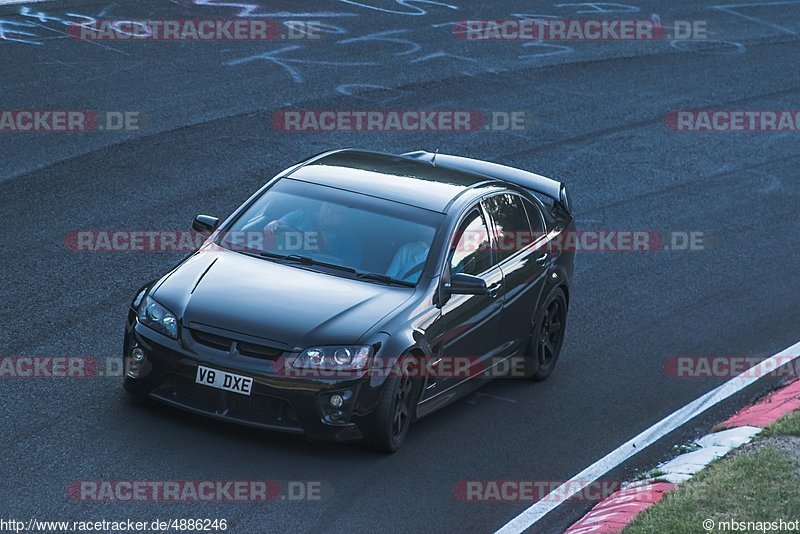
535 217
335 226
513 233
472 254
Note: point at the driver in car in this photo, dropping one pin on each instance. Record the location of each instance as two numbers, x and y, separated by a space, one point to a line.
409 260
329 227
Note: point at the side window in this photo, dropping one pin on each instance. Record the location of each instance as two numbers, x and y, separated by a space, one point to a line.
513 232
536 219
471 254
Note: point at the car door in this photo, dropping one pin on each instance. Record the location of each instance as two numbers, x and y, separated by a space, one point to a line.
519 247
470 324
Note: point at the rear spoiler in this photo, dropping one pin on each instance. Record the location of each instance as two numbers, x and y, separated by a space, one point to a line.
533 182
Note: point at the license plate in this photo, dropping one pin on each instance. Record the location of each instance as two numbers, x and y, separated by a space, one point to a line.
222 380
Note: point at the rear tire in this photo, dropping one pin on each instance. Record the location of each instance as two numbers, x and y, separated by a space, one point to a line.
547 338
396 409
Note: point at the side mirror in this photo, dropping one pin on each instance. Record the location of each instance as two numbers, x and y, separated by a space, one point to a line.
466 284
205 224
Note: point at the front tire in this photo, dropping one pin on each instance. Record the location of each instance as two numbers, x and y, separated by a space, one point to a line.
547 337
396 409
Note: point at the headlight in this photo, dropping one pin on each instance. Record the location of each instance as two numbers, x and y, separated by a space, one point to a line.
350 358
157 317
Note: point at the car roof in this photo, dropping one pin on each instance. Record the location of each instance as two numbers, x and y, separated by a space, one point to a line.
396 178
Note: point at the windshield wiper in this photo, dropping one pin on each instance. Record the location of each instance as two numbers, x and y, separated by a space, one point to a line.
308 261
305 260
384 278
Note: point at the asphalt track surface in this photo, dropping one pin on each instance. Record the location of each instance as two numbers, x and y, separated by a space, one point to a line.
595 120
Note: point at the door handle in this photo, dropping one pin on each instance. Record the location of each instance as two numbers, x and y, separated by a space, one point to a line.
494 289
541 259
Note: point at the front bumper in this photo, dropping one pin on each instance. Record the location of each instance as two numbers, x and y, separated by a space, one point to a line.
283 403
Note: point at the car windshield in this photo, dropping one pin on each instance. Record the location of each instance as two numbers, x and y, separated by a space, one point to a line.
311 224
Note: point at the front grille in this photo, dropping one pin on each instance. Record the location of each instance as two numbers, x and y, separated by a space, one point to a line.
259 406
212 340
253 350
255 408
185 391
258 351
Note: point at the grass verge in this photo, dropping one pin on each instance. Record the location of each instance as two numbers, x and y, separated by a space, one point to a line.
759 482
786 426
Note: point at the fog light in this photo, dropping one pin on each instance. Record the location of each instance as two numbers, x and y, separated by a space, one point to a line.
138 354
135 363
337 401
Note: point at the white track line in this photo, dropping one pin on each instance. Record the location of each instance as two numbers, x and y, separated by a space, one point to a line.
627 450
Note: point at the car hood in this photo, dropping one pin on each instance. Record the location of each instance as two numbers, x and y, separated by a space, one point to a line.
288 305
